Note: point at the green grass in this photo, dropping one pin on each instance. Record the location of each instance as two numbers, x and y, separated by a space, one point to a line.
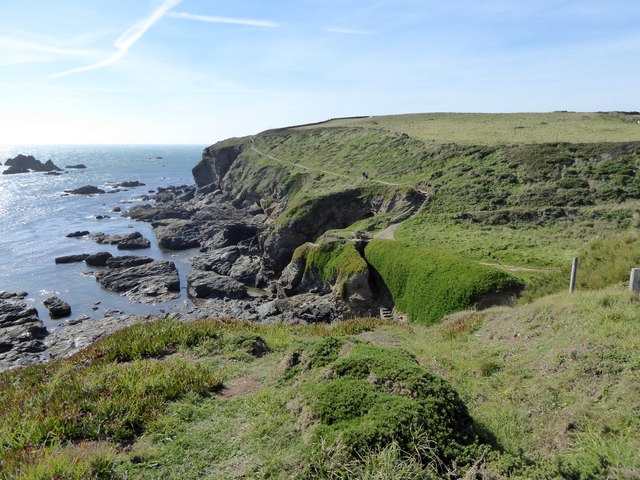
334 262
546 390
428 283
495 128
555 380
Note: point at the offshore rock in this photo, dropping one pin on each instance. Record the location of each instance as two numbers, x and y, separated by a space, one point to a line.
129 184
27 163
78 166
98 259
57 308
128 241
78 234
72 258
86 190
21 335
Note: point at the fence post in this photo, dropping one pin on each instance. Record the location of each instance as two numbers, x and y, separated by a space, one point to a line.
574 271
634 280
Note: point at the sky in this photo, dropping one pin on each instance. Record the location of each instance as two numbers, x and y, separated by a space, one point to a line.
199 71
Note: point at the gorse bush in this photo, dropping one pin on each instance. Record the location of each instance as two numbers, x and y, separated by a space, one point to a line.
427 284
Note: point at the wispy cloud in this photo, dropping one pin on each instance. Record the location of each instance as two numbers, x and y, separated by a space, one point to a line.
230 20
127 39
348 31
13 44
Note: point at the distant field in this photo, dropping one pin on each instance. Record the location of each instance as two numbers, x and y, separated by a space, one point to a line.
504 128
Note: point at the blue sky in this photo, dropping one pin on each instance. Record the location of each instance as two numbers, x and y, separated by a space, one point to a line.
197 71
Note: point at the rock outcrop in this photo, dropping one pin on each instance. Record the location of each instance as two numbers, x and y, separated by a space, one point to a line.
28 163
21 334
150 282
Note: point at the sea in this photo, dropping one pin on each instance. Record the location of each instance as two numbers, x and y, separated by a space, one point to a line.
36 215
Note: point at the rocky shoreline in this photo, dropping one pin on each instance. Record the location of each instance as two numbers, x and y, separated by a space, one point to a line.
242 265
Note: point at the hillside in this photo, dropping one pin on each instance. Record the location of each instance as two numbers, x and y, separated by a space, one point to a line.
352 218
526 208
548 390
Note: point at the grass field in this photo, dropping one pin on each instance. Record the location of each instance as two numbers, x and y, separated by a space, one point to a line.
504 128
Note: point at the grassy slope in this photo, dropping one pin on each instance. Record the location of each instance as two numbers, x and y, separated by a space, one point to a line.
494 195
553 385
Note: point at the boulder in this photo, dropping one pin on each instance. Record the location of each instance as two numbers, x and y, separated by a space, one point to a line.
98 259
219 261
246 270
57 308
201 284
128 241
21 335
152 282
177 234
85 190
72 258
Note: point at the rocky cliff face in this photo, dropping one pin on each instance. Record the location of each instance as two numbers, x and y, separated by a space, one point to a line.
215 163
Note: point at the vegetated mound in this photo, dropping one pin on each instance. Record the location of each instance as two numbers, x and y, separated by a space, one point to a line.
367 398
428 284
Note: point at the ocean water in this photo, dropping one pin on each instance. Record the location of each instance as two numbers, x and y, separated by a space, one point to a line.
35 216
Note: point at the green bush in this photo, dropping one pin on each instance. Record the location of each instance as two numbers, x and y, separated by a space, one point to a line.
428 284
370 397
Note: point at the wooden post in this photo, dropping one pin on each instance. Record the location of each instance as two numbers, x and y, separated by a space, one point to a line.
634 281
574 271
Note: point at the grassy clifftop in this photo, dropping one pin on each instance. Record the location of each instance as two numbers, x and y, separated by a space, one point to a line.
548 390
505 128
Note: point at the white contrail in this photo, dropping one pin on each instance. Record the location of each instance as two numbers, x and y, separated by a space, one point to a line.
127 39
235 21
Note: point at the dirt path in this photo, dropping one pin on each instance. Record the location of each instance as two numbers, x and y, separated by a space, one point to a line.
388 233
326 172
513 268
